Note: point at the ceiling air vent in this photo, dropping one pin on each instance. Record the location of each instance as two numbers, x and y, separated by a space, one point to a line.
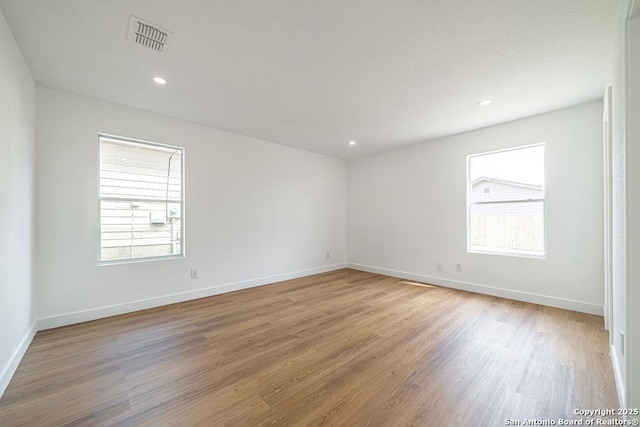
148 35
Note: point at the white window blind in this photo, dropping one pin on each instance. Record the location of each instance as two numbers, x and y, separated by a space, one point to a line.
141 200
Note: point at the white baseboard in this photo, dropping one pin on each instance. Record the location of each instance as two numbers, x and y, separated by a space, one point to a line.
114 310
567 304
11 366
617 374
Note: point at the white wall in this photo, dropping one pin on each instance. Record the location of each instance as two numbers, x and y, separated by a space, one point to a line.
615 79
17 136
407 210
632 188
255 212
631 142
624 79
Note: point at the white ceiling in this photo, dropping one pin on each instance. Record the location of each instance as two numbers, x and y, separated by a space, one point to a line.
316 74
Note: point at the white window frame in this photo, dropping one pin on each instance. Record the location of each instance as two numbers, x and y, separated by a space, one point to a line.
512 253
182 252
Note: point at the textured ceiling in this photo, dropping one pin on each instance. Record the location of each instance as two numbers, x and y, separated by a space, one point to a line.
316 74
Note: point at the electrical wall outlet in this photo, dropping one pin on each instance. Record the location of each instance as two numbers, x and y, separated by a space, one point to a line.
194 273
458 266
328 255
439 265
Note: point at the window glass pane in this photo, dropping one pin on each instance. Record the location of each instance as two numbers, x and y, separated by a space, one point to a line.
140 200
508 175
508 227
506 201
143 172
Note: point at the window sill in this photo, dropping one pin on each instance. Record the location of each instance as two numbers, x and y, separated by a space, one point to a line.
507 253
139 260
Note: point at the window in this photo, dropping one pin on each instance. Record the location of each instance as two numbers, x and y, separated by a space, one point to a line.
505 193
141 200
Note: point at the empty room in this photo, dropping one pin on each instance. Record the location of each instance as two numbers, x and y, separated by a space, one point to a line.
291 213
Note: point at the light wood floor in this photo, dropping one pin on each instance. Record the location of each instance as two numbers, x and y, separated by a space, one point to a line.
341 348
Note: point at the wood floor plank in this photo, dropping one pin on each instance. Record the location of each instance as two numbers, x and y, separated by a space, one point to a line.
344 348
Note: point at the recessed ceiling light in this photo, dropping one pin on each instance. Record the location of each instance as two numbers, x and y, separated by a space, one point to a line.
484 103
160 80
352 143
